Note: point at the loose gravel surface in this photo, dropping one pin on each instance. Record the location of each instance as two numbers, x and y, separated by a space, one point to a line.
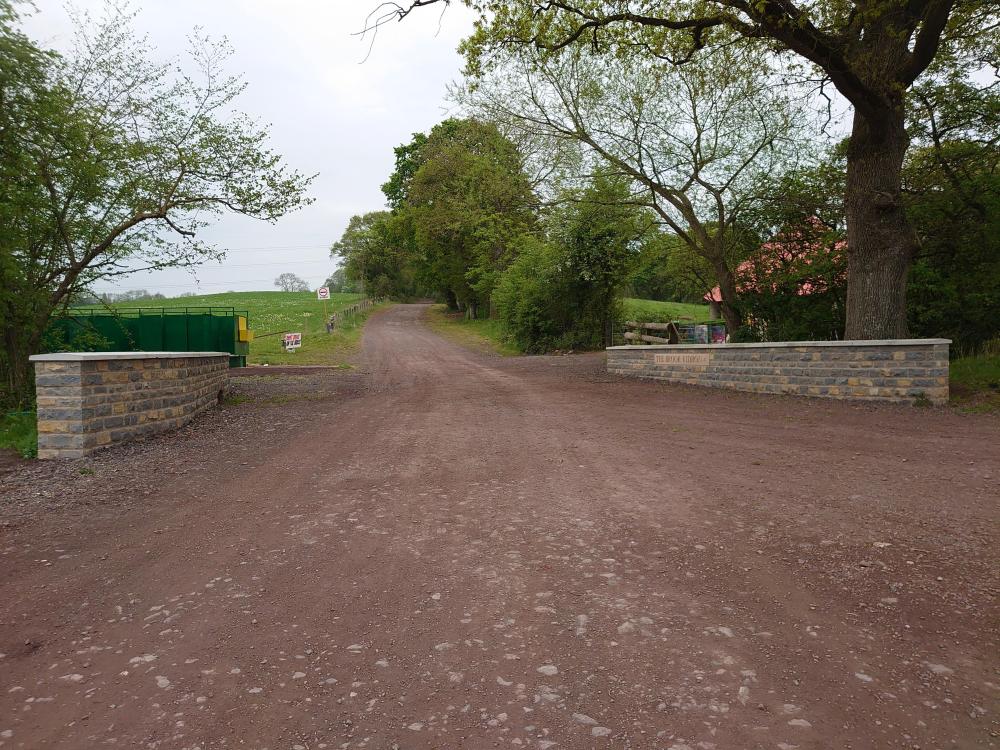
443 549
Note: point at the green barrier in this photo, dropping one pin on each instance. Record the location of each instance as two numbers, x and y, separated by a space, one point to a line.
151 329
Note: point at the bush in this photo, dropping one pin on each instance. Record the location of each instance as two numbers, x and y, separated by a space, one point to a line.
544 305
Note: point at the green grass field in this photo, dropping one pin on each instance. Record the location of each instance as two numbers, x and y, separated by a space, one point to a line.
649 310
277 312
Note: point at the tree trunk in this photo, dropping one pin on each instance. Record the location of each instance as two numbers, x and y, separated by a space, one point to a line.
880 241
727 286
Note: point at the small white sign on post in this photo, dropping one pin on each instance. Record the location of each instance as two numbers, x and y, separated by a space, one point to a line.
323 292
291 341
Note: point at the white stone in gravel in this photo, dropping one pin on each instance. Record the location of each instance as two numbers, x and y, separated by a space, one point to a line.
436 597
743 694
939 668
502 681
626 627
298 675
355 647
863 677
549 670
7 734
162 682
546 744
444 646
800 723
584 719
72 677
144 659
415 726
254 691
600 731
382 663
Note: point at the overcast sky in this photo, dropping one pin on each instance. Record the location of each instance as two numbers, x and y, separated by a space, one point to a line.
329 113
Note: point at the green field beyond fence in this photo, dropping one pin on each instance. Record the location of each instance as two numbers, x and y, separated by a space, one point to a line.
273 313
650 310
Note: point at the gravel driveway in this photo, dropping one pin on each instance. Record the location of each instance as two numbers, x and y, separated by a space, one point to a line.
444 549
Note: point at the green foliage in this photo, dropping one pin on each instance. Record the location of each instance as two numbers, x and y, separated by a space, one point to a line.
669 269
531 299
872 53
975 379
339 282
468 202
18 431
952 195
408 161
565 293
111 162
459 199
377 254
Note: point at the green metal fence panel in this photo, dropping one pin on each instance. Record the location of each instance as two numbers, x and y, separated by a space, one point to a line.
150 328
175 333
153 329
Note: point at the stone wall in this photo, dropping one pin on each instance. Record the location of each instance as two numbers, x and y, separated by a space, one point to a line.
903 370
87 401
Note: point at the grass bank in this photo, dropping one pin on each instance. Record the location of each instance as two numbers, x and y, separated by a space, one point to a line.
485 335
18 432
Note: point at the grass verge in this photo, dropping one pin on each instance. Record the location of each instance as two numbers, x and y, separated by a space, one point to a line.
18 431
975 383
483 335
318 346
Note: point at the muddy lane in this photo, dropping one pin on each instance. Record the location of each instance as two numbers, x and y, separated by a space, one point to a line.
474 552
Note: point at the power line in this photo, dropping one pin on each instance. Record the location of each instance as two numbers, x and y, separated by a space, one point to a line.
194 284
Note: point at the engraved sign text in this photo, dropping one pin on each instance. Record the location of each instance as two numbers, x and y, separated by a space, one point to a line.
694 358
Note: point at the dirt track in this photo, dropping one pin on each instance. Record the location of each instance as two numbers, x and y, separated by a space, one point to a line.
451 550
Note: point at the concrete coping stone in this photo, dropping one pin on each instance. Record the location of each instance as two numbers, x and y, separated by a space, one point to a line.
101 356
785 344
